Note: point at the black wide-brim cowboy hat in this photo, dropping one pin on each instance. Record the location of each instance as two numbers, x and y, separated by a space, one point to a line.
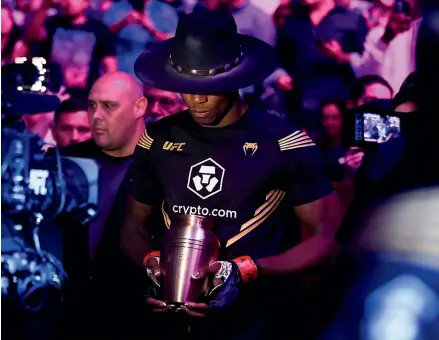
206 56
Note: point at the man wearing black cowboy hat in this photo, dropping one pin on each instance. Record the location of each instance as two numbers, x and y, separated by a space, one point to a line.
254 174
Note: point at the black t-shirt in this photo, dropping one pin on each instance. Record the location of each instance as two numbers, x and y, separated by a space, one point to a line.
78 49
104 275
112 175
247 176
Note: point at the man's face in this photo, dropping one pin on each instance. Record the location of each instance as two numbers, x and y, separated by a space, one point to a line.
111 119
72 128
161 104
73 8
374 91
207 109
332 119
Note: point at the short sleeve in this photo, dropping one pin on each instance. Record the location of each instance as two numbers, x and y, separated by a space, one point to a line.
304 174
146 187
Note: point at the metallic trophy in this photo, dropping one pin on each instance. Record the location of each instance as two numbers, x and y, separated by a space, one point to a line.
189 247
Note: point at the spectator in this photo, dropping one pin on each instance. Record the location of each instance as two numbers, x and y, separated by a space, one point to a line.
248 17
116 106
137 24
12 45
25 8
71 125
80 44
389 50
377 12
399 59
342 159
368 88
306 43
161 104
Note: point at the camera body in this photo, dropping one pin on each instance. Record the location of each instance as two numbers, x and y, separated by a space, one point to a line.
36 188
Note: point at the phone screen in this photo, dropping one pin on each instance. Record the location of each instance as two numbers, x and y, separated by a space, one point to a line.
380 128
33 83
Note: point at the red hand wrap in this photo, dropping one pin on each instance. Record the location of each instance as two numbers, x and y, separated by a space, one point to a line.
247 268
155 253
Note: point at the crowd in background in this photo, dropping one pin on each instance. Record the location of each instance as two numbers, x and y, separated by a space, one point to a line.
334 55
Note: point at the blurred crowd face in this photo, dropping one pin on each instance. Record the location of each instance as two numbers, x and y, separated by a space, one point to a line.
71 128
73 8
385 3
374 91
332 120
26 5
7 23
161 104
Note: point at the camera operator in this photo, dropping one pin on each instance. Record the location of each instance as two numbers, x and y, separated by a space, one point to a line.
99 295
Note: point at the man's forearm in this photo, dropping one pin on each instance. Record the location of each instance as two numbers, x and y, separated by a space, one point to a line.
135 239
322 218
305 255
36 24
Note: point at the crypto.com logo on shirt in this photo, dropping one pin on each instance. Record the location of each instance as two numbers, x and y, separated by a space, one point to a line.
206 178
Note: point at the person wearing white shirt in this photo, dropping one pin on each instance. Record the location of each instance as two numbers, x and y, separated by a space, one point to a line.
389 50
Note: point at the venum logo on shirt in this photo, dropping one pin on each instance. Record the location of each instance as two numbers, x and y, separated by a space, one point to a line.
206 178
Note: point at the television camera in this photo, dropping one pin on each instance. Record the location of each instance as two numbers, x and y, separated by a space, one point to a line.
36 188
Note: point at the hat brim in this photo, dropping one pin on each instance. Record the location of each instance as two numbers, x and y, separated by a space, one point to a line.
153 68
